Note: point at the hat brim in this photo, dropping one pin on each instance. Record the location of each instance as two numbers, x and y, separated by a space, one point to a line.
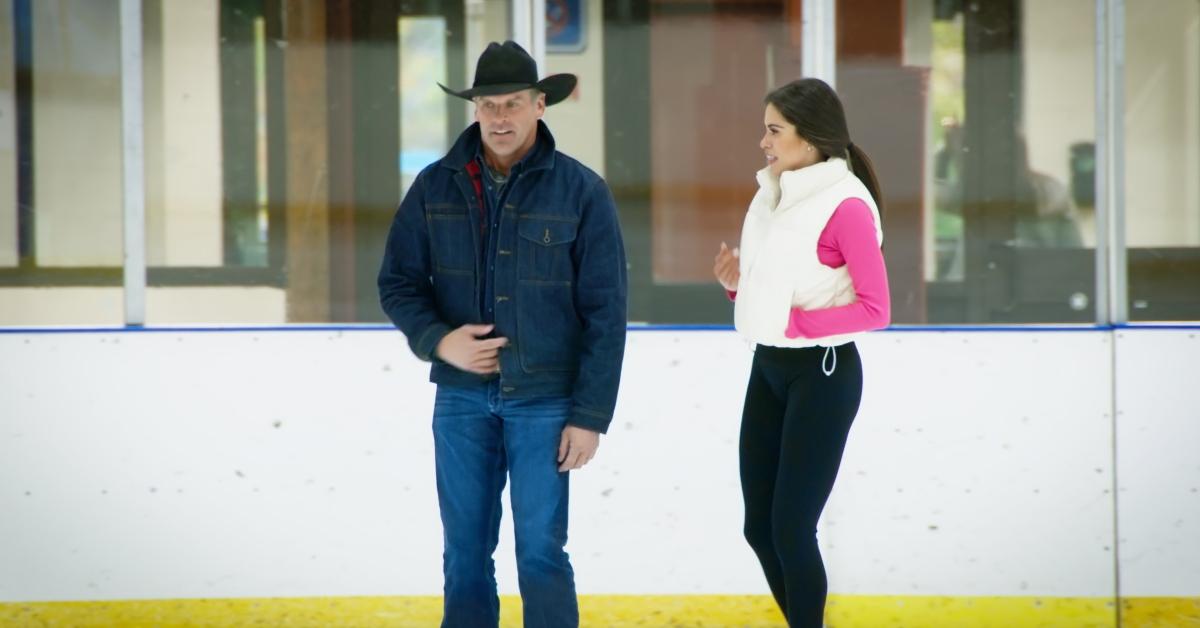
556 87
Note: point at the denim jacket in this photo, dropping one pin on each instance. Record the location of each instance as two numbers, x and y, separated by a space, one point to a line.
559 279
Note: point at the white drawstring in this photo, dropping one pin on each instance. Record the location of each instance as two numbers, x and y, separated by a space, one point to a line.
829 371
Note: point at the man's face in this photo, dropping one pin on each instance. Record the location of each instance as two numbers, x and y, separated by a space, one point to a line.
508 122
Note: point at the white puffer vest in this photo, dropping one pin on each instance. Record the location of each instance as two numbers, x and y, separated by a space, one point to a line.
778 258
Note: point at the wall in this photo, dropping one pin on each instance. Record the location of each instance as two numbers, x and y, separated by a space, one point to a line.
77 133
1162 117
578 122
1059 105
188 94
299 463
164 306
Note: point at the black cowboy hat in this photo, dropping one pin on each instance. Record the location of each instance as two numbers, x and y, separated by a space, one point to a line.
506 68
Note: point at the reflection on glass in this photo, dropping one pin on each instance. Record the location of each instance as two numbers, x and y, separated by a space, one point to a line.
423 114
705 124
269 188
254 249
1046 211
1010 162
247 227
979 116
946 96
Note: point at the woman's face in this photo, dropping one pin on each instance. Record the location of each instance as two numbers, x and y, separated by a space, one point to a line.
785 150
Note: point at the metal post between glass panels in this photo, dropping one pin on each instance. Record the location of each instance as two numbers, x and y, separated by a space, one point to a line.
133 163
1111 273
1118 269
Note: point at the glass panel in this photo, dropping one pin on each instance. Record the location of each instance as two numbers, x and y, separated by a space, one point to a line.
314 126
277 150
390 131
980 118
682 118
1162 159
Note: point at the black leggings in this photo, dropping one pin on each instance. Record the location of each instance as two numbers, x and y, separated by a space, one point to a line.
794 429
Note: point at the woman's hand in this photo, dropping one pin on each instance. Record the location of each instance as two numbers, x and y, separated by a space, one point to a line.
725 267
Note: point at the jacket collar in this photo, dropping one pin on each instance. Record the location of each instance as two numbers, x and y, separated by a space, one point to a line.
796 186
469 144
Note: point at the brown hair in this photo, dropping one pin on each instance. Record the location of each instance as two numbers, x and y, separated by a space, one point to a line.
815 110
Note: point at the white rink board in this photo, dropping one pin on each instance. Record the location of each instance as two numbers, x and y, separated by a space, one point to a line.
980 464
154 468
1158 460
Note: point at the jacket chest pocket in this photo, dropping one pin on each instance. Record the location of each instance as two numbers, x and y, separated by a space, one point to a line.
544 249
450 240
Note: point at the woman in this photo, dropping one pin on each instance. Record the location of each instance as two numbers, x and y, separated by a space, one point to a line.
808 278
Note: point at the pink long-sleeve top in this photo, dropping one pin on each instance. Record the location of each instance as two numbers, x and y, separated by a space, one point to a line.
848 240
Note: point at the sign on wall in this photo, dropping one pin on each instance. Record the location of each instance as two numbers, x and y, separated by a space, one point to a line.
566 26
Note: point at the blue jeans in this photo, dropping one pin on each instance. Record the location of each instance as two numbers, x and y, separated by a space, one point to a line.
479 439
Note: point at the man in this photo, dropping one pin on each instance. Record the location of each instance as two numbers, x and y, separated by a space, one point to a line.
506 269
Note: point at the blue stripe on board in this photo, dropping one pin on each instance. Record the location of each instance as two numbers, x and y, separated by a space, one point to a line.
236 328
633 327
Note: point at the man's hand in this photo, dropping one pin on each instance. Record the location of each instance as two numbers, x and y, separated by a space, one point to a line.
463 349
725 267
576 447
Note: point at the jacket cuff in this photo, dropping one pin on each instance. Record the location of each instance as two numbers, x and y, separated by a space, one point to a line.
589 420
795 328
427 343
